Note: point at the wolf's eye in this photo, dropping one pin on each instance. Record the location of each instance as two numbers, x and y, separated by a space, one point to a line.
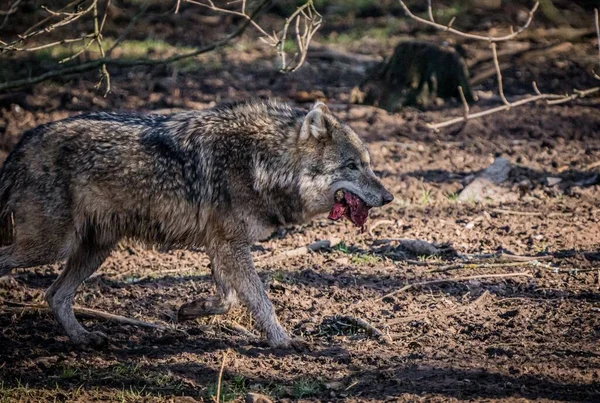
352 166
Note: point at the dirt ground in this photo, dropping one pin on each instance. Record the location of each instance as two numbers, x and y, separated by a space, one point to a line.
517 338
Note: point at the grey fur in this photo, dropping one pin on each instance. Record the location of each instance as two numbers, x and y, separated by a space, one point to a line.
221 178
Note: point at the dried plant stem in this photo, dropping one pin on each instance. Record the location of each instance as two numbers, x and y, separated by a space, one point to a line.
452 280
87 312
219 383
449 28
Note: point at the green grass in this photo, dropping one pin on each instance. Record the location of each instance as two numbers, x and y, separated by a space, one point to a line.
365 258
453 198
342 247
426 197
69 373
283 277
235 389
305 388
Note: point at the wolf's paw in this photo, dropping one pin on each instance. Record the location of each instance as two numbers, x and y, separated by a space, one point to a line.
92 339
202 307
288 343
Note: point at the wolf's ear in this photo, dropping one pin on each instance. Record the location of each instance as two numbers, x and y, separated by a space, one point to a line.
314 123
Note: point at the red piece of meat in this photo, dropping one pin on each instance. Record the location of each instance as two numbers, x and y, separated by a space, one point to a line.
351 207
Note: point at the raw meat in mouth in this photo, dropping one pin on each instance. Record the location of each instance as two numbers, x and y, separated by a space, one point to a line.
349 205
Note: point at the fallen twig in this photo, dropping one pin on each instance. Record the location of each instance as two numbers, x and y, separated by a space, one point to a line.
85 312
313 247
377 224
369 328
531 213
417 246
474 265
218 400
451 280
239 329
443 312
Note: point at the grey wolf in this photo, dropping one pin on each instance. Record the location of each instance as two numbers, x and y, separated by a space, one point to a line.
221 179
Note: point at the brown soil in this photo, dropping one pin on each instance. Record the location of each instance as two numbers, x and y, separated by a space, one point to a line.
509 339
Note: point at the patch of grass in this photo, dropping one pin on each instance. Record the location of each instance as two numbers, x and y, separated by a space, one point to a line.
290 46
132 394
365 258
426 197
69 373
283 277
342 247
235 389
453 198
305 388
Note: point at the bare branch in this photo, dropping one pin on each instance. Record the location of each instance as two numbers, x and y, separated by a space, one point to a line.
131 24
104 74
464 102
11 10
211 5
449 28
450 280
312 22
31 32
430 11
94 64
306 20
498 74
552 99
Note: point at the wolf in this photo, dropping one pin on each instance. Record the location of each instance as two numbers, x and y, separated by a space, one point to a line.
221 179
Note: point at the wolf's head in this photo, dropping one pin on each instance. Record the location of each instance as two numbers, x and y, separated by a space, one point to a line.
337 175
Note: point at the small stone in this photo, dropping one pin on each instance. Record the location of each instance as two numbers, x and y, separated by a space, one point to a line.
553 180
257 398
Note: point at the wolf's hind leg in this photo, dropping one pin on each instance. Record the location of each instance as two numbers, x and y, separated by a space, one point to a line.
83 261
213 305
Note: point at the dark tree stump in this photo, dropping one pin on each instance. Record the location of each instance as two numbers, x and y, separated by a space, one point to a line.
415 75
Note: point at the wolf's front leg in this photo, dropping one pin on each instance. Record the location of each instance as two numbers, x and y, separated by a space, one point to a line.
234 261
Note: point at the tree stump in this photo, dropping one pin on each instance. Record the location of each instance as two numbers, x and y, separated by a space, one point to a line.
416 74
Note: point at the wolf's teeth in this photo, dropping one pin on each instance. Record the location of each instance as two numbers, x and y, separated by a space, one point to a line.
339 195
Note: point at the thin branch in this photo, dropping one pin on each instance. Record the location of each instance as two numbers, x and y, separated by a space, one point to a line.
130 63
552 99
430 11
211 5
448 27
452 280
218 400
313 247
367 327
84 312
11 10
464 102
498 74
130 26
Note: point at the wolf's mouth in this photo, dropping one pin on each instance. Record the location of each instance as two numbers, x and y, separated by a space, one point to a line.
349 205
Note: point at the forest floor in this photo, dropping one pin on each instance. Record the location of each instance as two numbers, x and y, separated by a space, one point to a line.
508 338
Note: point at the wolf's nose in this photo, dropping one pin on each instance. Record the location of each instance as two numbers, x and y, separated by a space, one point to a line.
387 197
